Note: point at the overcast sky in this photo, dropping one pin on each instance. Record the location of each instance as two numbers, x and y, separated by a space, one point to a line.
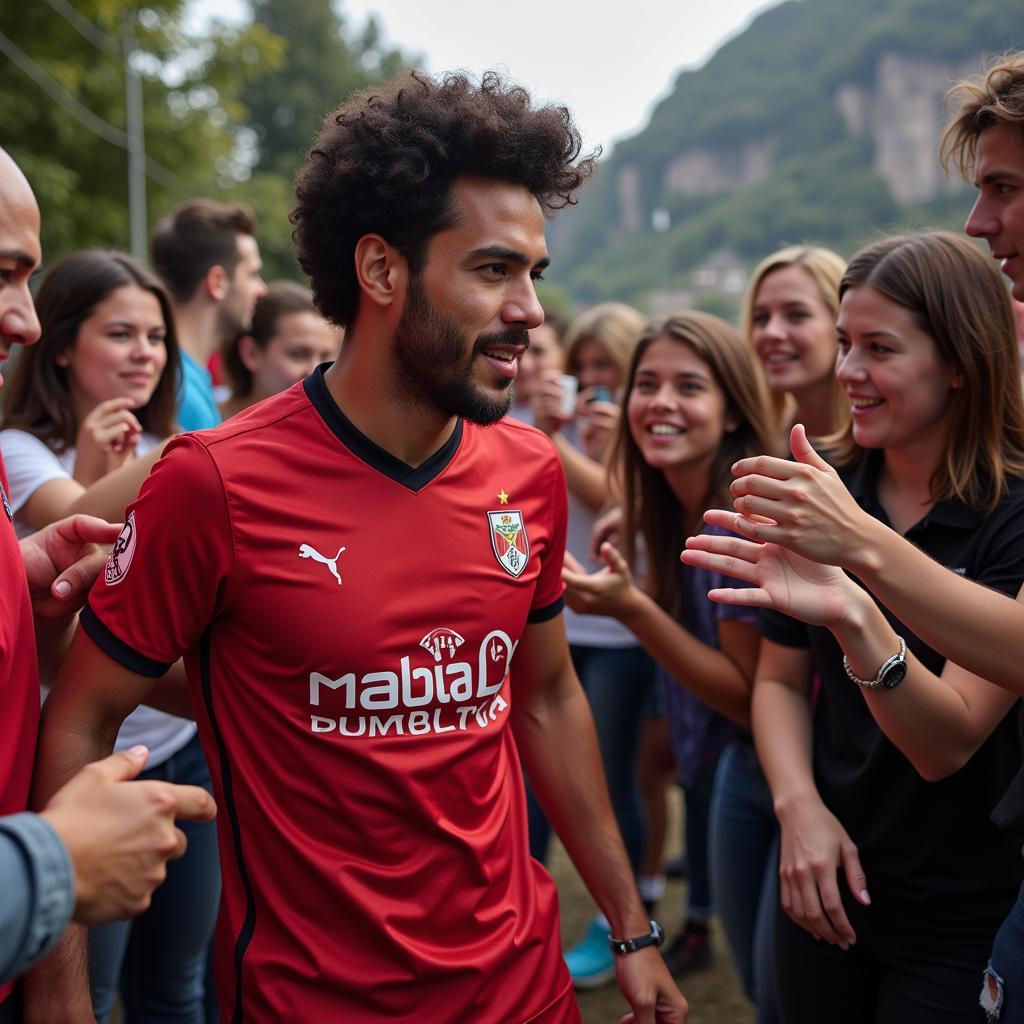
611 69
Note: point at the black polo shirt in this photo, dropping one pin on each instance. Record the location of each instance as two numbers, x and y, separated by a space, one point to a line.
921 842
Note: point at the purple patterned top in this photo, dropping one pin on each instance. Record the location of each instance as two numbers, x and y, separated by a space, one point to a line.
698 733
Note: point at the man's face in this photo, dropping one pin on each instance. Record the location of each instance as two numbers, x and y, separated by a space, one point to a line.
247 287
998 214
19 257
464 324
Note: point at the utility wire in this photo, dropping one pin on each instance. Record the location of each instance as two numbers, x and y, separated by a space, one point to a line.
86 28
104 129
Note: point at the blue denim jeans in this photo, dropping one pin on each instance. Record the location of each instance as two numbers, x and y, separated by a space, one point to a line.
700 894
618 682
744 852
159 959
1002 994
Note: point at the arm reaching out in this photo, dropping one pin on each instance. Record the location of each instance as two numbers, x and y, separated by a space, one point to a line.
721 677
812 513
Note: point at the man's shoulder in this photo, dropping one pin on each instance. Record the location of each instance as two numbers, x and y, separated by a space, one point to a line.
255 425
512 434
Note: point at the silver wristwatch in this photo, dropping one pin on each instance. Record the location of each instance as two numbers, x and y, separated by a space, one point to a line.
890 675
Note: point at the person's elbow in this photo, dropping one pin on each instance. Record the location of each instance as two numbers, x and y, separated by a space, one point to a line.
935 765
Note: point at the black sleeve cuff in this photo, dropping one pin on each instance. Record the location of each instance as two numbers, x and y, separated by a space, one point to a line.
783 630
548 612
117 649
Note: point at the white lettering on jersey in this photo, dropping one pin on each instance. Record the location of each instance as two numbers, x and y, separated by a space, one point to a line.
308 551
411 691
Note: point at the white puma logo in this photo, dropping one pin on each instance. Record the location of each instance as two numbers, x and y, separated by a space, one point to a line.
308 551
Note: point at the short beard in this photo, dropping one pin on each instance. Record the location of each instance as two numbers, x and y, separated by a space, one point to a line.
430 368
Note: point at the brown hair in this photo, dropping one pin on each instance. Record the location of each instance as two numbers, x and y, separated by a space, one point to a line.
37 397
651 508
614 326
957 297
995 98
199 234
281 298
826 269
386 160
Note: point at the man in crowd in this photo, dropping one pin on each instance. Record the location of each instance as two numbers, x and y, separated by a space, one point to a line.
207 255
985 138
348 577
98 849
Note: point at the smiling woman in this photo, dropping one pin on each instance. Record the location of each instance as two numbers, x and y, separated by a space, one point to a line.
789 314
890 787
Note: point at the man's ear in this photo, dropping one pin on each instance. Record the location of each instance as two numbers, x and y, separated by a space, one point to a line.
249 353
216 283
381 270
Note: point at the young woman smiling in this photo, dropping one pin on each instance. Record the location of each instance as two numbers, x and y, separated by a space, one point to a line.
893 783
789 316
695 401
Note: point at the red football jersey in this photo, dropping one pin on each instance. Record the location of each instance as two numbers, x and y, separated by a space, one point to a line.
19 674
348 624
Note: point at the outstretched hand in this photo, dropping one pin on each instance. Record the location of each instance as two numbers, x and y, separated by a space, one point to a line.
783 581
801 505
609 591
62 560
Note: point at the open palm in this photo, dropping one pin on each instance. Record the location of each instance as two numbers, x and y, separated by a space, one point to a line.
784 581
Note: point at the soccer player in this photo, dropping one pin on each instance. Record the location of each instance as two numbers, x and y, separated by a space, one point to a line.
349 570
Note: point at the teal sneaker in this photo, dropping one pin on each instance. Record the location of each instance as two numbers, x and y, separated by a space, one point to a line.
591 962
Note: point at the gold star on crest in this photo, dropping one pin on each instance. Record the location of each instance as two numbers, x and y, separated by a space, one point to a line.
502 496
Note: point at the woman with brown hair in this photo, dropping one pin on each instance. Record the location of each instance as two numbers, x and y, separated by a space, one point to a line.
894 781
696 403
616 673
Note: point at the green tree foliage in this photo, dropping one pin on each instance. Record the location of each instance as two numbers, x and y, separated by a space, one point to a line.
323 63
191 89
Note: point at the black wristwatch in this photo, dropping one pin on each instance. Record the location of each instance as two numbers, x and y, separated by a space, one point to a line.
622 947
889 676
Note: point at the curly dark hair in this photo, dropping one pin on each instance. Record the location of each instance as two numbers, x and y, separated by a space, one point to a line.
385 162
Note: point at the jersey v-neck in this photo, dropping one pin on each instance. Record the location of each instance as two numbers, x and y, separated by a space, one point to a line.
415 478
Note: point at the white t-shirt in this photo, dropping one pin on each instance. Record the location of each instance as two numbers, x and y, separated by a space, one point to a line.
588 630
30 463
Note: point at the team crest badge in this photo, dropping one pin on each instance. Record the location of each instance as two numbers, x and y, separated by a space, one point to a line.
509 541
120 558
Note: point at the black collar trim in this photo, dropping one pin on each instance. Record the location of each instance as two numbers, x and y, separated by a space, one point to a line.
414 478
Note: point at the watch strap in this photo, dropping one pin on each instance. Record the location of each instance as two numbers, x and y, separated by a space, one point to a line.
623 947
877 683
